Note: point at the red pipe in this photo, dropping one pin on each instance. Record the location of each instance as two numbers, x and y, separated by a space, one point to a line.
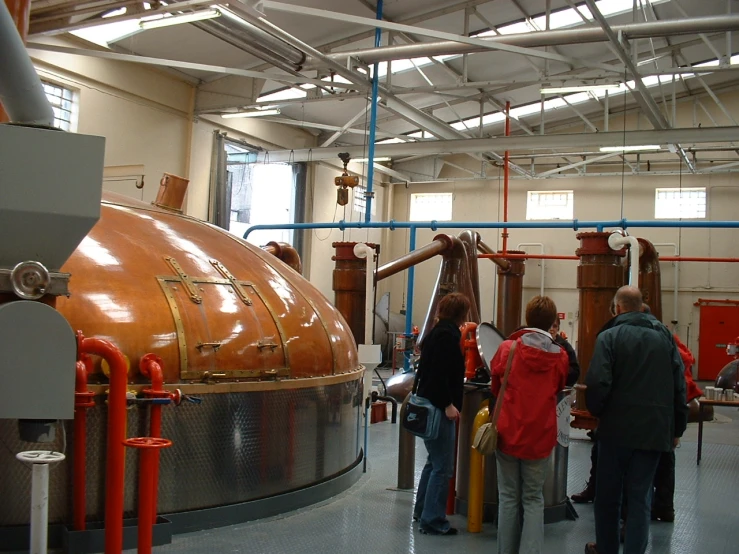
151 367
506 159
82 401
149 447
115 454
559 257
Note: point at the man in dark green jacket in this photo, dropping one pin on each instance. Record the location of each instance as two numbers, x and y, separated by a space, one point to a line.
635 386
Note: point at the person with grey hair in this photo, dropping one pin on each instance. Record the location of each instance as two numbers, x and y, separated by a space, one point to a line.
639 418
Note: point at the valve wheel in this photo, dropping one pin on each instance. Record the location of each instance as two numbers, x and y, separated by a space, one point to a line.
147 442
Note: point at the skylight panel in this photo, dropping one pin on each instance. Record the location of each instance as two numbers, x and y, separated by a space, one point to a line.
285 94
107 33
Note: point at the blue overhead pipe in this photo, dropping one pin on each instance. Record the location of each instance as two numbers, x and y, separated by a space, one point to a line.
373 121
435 225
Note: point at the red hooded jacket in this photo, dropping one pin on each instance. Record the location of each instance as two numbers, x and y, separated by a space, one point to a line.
693 391
527 425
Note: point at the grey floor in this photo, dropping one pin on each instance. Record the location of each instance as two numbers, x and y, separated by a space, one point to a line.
372 518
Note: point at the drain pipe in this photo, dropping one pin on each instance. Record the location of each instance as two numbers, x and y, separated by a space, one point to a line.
21 92
676 279
616 241
541 247
83 399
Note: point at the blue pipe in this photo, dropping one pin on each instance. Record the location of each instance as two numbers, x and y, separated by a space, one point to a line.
373 121
409 303
435 225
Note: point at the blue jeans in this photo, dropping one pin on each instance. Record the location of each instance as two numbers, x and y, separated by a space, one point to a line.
618 465
520 487
433 487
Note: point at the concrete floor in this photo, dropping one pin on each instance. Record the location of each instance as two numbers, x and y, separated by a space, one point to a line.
370 517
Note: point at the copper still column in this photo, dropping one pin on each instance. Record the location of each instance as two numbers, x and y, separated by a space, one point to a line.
650 279
599 275
510 294
350 286
20 11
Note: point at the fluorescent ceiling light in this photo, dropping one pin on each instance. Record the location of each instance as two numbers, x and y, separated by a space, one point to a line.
638 148
381 159
256 113
165 21
582 88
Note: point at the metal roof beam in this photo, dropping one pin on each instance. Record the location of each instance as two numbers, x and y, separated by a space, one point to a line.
513 143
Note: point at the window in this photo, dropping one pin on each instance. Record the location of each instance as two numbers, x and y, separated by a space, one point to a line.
431 207
555 204
680 203
360 201
63 102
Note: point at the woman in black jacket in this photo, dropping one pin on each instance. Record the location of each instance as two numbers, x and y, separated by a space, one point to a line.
441 380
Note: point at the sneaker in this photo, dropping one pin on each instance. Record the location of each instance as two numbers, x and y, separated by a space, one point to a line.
429 531
586 496
590 548
416 518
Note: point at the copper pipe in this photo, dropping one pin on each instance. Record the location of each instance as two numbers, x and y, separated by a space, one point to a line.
491 255
350 287
82 401
650 278
510 294
470 239
20 11
506 175
440 244
286 253
453 277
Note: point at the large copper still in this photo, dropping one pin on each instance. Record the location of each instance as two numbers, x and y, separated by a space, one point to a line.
599 275
510 294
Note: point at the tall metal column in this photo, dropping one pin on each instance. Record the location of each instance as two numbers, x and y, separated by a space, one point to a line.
20 11
373 121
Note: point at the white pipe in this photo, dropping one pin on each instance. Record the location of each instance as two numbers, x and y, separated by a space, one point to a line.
618 240
541 247
676 270
361 250
40 461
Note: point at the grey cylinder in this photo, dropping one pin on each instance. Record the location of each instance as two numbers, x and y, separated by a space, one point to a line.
555 485
21 91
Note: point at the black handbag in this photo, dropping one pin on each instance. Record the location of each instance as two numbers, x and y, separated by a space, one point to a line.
421 417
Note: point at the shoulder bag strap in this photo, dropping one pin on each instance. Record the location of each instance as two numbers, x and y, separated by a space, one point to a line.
415 381
499 400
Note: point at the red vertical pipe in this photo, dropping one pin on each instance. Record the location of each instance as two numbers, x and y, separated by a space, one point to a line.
82 401
451 497
20 11
506 172
115 453
151 367
147 504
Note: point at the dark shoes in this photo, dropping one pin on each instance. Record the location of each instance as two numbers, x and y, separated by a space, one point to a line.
663 514
586 496
429 531
590 548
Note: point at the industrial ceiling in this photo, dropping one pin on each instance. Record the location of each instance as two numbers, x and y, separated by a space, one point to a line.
453 65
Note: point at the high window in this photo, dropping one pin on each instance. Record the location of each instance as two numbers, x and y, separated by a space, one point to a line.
680 203
63 101
360 201
553 204
431 207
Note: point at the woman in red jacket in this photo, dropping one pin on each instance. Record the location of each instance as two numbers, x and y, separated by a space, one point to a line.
527 426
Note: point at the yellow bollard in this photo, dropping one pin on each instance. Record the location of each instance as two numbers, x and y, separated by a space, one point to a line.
477 474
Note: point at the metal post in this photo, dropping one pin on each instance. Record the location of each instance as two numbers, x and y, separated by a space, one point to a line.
406 454
409 302
373 121
40 460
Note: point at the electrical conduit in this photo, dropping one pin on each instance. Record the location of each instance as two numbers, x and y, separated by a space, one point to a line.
373 122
